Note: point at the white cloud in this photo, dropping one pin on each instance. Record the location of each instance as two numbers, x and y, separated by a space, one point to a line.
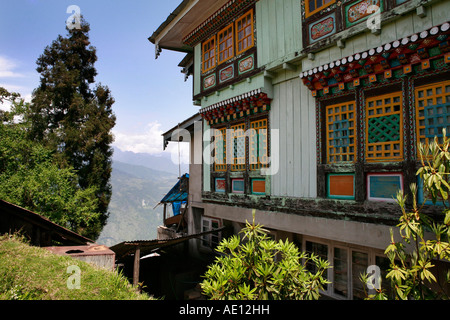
151 141
7 68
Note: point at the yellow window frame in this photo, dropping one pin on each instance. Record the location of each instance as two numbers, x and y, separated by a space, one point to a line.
379 108
308 11
238 138
209 54
341 132
246 36
258 144
436 97
226 38
220 149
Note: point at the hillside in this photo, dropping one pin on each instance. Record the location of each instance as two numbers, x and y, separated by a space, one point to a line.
135 192
32 273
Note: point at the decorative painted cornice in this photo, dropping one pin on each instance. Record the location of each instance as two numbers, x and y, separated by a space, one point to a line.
216 21
252 102
392 59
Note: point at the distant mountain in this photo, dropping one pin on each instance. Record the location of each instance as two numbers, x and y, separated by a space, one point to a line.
136 190
161 162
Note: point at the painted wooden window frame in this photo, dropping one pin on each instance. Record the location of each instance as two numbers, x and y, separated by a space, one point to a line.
227 46
258 144
233 189
232 171
246 36
342 197
393 174
340 153
308 11
210 62
220 144
215 185
435 97
252 180
384 151
235 144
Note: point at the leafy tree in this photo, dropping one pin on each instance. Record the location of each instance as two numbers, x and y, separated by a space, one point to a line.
262 269
413 272
72 115
31 177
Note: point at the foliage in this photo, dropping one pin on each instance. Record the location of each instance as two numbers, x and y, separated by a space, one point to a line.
31 177
413 260
262 269
31 273
72 115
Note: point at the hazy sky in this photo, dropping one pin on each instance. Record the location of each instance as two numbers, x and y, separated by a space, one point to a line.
151 95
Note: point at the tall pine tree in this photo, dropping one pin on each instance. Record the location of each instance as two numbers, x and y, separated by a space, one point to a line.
73 116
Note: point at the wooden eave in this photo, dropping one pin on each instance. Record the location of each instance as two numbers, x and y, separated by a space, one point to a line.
182 21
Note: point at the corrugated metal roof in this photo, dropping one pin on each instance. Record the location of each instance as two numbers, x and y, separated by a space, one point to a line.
125 248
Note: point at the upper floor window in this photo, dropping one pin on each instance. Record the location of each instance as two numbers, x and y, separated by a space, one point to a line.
232 40
313 6
244 32
432 111
384 124
226 46
209 54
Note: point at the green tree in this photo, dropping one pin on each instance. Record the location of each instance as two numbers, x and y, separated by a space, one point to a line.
73 116
31 177
413 273
259 268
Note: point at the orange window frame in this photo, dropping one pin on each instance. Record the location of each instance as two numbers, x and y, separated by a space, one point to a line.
209 54
309 12
225 41
245 38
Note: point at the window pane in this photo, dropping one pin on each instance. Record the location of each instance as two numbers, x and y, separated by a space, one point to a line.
360 262
320 250
340 270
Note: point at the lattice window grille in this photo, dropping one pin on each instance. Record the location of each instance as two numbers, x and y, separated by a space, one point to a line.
341 132
384 134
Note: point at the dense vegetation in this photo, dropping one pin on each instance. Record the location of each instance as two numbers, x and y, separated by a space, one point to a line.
55 152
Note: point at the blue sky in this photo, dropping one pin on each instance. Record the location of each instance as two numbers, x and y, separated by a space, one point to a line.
151 95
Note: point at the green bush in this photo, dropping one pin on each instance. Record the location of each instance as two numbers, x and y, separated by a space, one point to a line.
259 268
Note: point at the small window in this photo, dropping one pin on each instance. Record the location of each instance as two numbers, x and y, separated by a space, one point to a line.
226 44
384 128
258 151
244 32
238 147
432 112
210 240
313 6
209 54
220 149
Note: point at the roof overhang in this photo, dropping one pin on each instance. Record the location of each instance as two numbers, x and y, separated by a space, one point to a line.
174 135
184 19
